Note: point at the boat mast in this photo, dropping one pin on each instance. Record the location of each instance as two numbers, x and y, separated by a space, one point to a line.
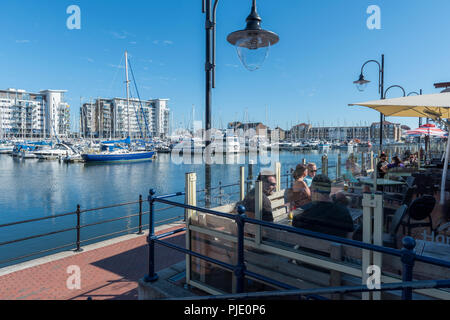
128 91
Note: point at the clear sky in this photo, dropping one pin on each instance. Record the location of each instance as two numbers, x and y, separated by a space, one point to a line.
306 78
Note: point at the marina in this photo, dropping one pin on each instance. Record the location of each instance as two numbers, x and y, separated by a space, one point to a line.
208 154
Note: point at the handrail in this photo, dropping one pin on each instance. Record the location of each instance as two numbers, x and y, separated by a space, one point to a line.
312 234
80 226
424 284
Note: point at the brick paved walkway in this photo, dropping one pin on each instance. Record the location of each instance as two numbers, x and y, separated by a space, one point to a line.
110 272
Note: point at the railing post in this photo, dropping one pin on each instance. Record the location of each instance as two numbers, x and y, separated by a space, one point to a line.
191 216
78 230
408 258
240 268
140 215
152 276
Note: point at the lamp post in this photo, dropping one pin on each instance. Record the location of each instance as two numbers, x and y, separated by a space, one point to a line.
252 45
361 85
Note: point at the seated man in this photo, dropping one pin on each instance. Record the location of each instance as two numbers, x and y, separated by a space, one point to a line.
312 171
269 181
322 215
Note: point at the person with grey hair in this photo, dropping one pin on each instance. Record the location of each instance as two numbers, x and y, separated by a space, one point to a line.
269 183
322 215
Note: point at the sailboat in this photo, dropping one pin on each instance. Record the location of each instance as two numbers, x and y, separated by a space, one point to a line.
120 150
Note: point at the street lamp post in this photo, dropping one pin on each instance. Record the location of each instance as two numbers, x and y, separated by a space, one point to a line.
361 84
252 45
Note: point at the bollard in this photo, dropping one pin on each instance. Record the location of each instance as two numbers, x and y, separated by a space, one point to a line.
140 215
338 167
78 230
242 184
325 165
250 176
408 257
240 268
152 276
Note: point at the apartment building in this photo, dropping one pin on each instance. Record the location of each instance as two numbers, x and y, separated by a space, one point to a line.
115 118
25 114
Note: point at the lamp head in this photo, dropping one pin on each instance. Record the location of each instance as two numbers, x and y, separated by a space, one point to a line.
253 42
361 83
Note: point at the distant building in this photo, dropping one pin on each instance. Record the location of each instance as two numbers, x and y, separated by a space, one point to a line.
260 129
108 118
299 132
25 114
281 133
391 131
305 131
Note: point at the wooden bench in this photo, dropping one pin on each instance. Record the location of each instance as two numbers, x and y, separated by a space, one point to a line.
271 252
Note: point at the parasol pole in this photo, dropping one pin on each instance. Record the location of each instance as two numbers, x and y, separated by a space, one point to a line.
444 173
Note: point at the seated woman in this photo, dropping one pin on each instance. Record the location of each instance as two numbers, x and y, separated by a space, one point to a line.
396 163
300 194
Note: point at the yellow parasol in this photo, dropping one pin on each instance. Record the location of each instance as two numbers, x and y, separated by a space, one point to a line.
434 106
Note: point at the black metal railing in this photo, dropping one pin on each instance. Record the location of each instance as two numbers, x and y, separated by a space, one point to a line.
78 227
407 255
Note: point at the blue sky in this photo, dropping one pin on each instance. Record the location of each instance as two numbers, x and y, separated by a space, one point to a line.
307 77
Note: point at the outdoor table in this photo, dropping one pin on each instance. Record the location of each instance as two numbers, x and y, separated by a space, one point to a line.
385 183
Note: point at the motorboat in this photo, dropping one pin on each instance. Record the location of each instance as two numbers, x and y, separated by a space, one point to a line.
58 151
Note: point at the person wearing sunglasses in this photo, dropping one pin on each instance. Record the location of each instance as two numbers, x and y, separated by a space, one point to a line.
269 182
312 171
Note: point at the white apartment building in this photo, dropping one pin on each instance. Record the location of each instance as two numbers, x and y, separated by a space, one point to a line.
112 118
25 114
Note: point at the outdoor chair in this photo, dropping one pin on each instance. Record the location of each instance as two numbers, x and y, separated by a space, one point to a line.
403 199
406 196
390 239
425 185
420 210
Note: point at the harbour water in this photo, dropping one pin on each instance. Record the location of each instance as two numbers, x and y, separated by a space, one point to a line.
31 189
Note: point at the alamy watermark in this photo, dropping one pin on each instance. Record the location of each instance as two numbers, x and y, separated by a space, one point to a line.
374 280
74 20
374 20
74 280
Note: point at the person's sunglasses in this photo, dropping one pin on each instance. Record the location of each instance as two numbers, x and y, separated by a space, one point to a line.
273 184
313 170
